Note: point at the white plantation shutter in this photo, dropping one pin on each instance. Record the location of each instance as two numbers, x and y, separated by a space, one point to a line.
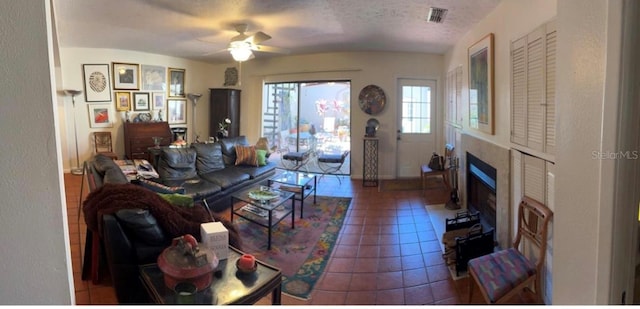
518 93
550 117
459 95
535 89
534 178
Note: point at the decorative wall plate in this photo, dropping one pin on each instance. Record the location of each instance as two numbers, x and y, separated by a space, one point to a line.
372 99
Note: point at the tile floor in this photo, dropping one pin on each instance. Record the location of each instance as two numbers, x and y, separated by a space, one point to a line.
387 252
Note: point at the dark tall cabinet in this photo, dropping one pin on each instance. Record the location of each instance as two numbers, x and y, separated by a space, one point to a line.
225 103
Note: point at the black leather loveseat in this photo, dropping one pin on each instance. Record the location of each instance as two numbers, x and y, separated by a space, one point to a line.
132 237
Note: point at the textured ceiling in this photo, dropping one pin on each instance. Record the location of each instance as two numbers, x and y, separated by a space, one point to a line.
201 29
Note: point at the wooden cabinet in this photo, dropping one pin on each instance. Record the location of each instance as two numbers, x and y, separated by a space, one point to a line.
138 137
225 103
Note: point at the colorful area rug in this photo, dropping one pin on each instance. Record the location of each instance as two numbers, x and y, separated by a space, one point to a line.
301 253
401 184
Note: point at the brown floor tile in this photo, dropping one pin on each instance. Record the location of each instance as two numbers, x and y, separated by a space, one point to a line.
390 280
438 273
443 289
341 265
370 251
389 264
413 277
328 298
412 262
335 282
361 298
366 265
390 297
418 295
363 282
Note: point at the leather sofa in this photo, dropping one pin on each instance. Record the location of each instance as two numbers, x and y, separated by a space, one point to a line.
132 237
208 171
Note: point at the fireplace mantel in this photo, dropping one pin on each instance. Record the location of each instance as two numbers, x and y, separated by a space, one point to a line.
498 157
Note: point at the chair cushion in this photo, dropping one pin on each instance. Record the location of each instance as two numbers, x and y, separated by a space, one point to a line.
333 158
499 272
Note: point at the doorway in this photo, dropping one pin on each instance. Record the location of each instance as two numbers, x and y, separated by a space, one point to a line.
416 134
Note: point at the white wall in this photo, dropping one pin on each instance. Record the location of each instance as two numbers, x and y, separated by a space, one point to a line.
35 255
362 68
588 68
200 76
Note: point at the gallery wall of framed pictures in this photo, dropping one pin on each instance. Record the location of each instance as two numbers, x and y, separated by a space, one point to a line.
152 91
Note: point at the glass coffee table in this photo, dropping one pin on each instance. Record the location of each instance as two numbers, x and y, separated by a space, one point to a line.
228 287
300 183
267 212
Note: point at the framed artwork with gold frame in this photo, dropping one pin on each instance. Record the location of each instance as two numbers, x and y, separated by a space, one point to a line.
481 107
123 101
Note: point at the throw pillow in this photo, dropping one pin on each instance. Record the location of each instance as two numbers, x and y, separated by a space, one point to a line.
262 157
178 199
246 155
158 187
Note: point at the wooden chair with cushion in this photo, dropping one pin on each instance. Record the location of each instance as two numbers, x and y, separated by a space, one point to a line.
103 144
426 171
503 274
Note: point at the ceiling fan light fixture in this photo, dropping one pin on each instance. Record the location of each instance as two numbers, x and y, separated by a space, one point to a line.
240 51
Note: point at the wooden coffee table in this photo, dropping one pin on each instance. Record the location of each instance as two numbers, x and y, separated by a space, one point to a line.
228 287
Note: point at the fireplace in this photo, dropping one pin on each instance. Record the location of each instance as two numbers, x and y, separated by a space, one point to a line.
481 190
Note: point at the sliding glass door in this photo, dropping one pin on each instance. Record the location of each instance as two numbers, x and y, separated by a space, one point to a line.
308 116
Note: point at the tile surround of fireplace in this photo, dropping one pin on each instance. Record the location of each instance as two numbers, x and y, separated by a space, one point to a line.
498 157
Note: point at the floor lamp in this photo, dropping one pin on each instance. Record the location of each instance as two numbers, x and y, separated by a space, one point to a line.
73 93
194 99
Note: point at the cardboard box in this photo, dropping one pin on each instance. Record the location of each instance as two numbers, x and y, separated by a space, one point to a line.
215 237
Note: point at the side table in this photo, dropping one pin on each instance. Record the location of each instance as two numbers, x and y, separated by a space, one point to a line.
370 162
228 287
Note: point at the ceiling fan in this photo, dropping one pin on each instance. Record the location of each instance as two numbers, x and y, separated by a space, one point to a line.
242 45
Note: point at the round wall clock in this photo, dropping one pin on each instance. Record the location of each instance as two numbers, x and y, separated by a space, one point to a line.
372 99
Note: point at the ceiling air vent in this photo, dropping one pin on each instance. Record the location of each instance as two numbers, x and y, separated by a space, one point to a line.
436 15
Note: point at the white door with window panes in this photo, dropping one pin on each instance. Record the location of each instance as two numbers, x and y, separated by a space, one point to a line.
416 134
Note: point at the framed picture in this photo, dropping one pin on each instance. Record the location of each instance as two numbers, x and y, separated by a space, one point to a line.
176 82
126 76
481 85
177 111
140 101
100 116
123 101
97 82
158 99
153 77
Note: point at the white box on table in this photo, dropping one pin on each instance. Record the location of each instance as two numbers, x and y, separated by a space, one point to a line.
215 237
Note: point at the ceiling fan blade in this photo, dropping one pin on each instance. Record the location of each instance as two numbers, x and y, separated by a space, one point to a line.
240 37
270 49
259 37
216 51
